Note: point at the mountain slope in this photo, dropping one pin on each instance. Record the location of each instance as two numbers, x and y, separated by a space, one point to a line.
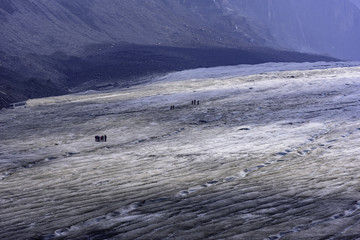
66 26
86 44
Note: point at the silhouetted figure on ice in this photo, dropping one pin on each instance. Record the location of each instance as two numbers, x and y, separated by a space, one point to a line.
100 139
195 102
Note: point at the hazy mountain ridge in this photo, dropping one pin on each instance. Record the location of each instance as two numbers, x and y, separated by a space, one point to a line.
328 27
356 3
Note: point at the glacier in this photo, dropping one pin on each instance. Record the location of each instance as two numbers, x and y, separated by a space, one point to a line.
270 152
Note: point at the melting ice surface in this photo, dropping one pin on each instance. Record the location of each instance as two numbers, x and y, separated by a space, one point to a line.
271 152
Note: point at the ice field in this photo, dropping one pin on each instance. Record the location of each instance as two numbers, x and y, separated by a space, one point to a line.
271 152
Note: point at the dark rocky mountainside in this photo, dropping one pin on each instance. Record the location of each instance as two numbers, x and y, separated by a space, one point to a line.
50 47
60 25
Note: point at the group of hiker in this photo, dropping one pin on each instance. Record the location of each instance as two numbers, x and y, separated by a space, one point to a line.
100 138
193 102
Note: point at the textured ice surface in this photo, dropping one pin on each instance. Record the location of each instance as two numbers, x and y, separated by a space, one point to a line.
271 152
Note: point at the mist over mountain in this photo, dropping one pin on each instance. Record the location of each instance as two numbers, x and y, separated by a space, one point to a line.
356 3
78 45
329 27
